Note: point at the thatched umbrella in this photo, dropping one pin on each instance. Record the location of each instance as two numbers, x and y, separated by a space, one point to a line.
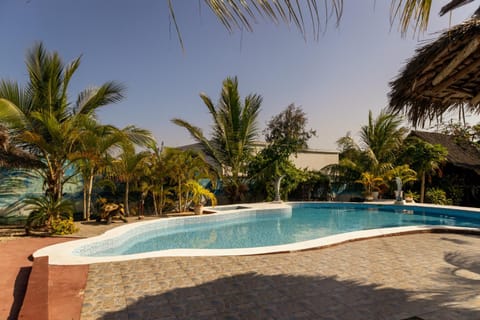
443 75
13 157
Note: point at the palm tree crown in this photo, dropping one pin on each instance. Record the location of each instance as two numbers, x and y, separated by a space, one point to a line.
43 121
234 131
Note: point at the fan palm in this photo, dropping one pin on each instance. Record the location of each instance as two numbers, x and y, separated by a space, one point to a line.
234 132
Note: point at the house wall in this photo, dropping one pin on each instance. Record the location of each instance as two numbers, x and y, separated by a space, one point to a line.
314 160
310 159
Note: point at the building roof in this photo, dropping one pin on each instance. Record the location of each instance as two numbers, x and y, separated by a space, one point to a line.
443 75
463 155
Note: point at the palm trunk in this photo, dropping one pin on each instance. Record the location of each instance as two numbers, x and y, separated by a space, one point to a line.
154 197
127 209
89 195
85 196
422 188
179 191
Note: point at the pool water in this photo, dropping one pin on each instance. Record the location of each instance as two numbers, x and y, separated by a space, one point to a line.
305 222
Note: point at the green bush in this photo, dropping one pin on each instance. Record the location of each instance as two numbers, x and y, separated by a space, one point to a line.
437 196
61 226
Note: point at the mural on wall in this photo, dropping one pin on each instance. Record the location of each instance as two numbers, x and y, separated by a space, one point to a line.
16 184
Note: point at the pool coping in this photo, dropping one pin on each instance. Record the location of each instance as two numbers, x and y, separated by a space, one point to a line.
61 254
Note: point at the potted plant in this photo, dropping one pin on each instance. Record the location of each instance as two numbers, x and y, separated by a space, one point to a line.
370 183
411 196
199 196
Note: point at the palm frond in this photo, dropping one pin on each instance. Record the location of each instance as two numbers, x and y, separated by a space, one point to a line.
10 114
452 5
92 98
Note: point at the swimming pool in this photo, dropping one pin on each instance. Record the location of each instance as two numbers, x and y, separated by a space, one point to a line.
265 228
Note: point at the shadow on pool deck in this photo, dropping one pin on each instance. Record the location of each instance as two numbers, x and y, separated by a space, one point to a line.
19 289
254 296
421 276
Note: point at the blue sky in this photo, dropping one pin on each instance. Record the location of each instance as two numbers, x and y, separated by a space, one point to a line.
336 79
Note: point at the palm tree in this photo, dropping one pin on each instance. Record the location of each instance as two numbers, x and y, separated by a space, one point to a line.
183 166
425 159
95 152
382 137
42 119
156 177
234 132
127 168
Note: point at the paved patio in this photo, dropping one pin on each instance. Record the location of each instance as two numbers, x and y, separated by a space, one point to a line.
420 276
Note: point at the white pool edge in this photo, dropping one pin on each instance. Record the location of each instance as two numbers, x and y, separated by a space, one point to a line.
61 254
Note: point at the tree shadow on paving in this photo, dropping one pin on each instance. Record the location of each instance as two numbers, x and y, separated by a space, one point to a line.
19 289
257 296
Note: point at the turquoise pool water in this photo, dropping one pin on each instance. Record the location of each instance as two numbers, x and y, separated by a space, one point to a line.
257 229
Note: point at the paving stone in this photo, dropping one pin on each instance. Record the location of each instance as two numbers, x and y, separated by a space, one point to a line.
430 276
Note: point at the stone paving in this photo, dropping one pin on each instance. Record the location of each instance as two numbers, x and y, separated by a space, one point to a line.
420 276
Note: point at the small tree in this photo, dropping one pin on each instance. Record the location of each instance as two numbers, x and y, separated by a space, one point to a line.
234 132
426 159
285 135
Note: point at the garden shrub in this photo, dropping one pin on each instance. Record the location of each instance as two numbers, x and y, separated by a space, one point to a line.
61 226
437 196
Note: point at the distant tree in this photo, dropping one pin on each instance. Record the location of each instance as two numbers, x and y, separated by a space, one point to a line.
128 168
382 138
183 166
95 149
155 179
286 134
234 132
426 159
380 141
287 131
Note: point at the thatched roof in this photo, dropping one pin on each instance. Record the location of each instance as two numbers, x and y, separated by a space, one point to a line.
463 155
443 75
13 157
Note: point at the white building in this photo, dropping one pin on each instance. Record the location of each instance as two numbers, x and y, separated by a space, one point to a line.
311 159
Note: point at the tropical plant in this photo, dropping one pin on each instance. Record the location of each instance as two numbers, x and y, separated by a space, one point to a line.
426 159
285 135
45 210
182 167
63 226
156 179
403 172
95 149
437 196
370 182
127 168
234 131
198 194
382 138
43 121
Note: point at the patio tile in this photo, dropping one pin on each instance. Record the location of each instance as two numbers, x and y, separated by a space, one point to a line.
391 278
